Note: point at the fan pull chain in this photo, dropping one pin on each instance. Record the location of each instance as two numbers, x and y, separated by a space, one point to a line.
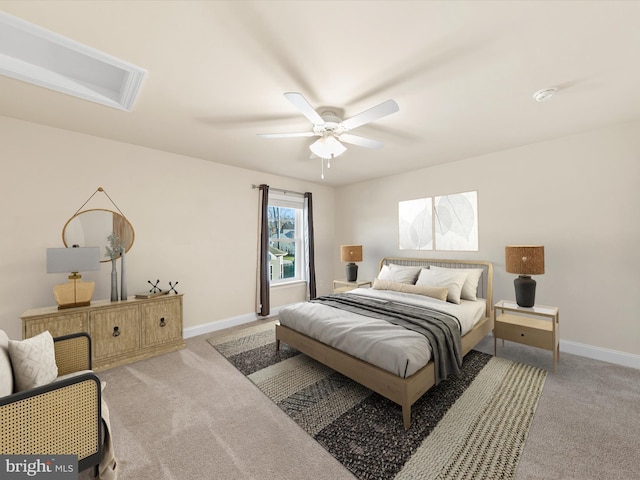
322 168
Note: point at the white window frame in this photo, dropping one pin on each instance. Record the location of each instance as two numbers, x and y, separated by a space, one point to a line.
295 202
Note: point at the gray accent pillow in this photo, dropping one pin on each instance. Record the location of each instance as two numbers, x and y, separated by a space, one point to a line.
34 361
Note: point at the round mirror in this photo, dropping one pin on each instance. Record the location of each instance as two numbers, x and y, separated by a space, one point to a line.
91 228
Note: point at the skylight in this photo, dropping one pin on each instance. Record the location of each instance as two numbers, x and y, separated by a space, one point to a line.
32 54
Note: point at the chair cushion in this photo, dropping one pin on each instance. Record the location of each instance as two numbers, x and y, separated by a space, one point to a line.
34 361
6 372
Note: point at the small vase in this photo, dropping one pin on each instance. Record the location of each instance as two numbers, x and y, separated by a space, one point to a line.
114 281
123 283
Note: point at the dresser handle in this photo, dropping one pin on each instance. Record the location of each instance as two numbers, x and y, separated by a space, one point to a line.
116 331
162 322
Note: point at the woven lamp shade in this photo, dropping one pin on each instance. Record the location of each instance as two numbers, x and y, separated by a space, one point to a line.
524 259
351 253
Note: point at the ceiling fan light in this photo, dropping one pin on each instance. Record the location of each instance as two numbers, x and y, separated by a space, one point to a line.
327 147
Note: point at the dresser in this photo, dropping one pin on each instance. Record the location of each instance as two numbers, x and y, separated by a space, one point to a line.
121 332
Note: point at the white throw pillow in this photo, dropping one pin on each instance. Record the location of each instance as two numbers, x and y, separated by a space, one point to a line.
6 372
470 287
399 273
453 280
34 361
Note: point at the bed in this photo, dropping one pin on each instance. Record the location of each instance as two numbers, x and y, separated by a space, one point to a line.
396 362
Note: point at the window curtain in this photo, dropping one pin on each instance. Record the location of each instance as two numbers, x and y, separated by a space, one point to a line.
309 247
263 299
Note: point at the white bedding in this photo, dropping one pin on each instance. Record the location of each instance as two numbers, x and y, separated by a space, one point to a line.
391 347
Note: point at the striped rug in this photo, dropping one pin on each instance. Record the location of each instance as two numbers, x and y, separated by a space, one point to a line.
473 425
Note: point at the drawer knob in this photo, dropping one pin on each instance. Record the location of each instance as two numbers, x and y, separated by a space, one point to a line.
162 322
522 334
116 331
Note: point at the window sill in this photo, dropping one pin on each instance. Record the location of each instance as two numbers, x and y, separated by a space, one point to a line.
292 283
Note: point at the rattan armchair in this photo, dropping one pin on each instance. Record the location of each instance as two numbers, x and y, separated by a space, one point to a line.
61 418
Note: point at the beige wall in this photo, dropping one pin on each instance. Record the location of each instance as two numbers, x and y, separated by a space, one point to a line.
195 221
578 196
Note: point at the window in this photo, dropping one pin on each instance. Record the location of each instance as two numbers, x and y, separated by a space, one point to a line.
286 256
447 222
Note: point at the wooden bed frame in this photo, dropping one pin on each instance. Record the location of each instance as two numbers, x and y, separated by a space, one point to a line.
403 391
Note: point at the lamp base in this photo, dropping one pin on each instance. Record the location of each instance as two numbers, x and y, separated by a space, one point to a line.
75 293
352 272
525 291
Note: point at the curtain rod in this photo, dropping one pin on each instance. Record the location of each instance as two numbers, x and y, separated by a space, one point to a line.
279 190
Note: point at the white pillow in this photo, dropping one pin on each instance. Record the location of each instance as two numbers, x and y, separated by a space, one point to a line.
453 280
34 361
470 287
6 372
399 273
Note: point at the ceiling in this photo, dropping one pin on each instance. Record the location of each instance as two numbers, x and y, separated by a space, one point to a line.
463 74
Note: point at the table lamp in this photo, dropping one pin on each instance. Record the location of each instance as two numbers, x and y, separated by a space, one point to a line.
525 260
351 254
75 293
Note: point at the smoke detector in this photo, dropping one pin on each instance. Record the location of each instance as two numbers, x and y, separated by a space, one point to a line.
544 95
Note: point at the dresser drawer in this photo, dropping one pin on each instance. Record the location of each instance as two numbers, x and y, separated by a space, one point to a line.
161 322
114 332
59 325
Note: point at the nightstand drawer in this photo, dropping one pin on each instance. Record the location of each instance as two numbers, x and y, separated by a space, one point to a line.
528 336
535 326
511 327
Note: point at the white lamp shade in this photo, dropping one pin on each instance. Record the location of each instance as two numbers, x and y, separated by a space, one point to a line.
78 259
327 147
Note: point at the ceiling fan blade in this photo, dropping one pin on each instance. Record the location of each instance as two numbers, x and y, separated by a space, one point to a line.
287 135
360 141
305 107
374 113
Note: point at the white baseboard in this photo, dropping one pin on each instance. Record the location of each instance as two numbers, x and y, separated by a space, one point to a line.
575 348
226 323
599 353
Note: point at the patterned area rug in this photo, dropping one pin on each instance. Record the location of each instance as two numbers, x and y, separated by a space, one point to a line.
472 425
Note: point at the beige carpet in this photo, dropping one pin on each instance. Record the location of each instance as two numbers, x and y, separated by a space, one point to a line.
190 415
473 425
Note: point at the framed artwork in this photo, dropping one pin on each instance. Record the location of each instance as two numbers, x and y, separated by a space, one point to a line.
416 224
446 222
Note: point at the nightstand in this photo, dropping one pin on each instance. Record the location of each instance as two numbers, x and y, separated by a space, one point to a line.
537 326
340 286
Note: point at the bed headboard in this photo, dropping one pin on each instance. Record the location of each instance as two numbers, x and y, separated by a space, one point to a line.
485 285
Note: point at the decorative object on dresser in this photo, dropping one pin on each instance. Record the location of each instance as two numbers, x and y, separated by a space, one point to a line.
351 254
154 286
75 293
114 250
525 260
121 332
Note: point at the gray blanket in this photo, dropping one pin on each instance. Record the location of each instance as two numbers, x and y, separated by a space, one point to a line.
441 330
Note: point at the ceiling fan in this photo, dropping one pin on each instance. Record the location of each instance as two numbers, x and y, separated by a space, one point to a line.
332 130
